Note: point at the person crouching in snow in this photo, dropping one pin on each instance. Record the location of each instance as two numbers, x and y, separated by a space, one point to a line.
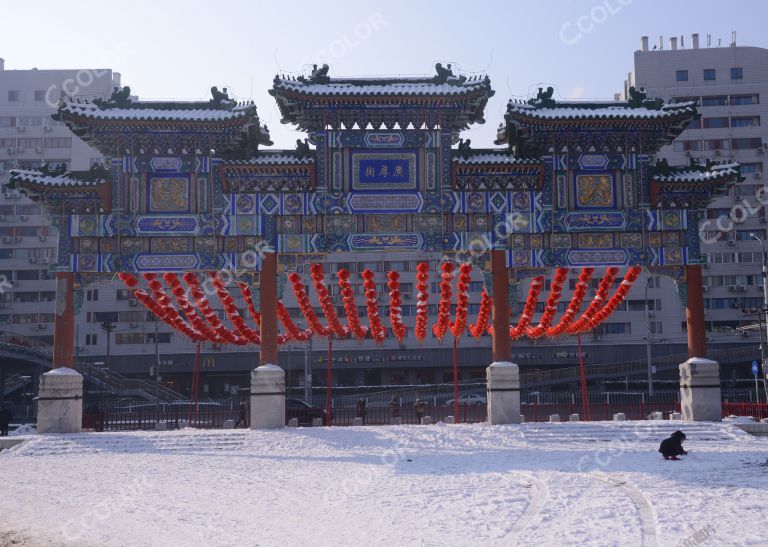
672 447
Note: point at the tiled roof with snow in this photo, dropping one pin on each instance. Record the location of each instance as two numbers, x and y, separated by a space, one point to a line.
275 158
486 157
715 172
158 111
399 87
54 181
591 110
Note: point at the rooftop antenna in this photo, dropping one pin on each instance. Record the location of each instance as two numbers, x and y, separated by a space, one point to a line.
709 40
719 41
661 42
682 42
733 38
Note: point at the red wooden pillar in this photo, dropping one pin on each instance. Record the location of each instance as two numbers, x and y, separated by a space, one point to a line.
64 321
268 293
694 313
502 350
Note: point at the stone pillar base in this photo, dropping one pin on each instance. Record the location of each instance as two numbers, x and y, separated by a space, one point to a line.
700 390
503 393
60 401
267 397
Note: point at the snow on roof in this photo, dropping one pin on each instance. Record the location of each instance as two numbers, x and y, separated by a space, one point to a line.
382 87
575 110
493 157
56 181
137 112
693 175
275 158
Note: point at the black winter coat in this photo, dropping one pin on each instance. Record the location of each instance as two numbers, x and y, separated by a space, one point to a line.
671 447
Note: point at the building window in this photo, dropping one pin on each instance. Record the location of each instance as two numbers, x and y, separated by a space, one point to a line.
58 142
709 74
745 121
39 95
737 73
684 146
13 95
92 295
715 123
681 75
90 339
717 100
744 144
739 100
694 124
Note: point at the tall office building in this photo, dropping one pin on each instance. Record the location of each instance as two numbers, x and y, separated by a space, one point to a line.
29 138
730 86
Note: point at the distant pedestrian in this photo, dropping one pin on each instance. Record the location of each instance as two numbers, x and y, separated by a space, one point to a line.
421 410
243 416
394 407
672 447
360 409
5 420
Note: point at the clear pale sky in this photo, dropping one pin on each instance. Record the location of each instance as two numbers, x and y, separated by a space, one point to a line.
175 49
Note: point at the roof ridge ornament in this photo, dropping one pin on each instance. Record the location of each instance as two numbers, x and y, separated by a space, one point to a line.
318 75
120 98
544 98
638 98
465 148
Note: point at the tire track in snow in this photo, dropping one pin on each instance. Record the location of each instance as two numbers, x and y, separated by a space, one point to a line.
645 512
539 496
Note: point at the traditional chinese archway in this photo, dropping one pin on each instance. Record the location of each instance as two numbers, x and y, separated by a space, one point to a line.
187 190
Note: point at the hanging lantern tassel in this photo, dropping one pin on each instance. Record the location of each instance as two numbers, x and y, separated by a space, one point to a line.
326 302
396 306
483 316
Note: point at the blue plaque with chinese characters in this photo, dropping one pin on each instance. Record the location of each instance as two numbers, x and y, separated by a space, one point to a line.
384 170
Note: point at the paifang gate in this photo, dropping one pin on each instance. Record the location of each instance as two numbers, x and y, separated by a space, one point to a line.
188 188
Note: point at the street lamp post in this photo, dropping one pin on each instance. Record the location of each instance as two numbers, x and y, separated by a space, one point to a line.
764 262
649 361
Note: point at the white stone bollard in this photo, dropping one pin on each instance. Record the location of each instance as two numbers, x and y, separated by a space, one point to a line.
183 424
317 422
656 415
522 418
357 421
267 397
574 418
293 422
700 390
676 416
426 420
60 401
619 417
503 393
162 425
228 424
764 420
396 421
554 418
449 420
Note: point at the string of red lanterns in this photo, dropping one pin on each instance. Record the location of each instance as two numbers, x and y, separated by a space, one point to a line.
422 304
372 307
396 306
462 301
550 308
326 302
579 292
529 308
483 316
444 306
206 325
350 308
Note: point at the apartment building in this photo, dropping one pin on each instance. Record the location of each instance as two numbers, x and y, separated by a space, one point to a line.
29 138
729 83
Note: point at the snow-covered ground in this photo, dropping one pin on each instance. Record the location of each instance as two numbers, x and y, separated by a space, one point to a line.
543 484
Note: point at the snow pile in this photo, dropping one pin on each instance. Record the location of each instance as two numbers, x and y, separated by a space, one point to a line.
24 429
542 484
